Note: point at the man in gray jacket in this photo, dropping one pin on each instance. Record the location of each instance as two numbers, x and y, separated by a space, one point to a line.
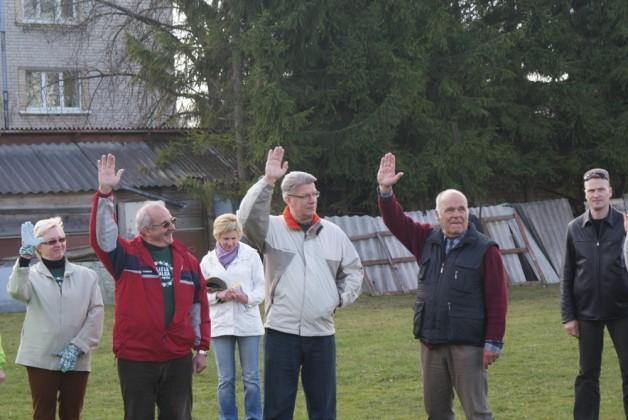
311 269
594 291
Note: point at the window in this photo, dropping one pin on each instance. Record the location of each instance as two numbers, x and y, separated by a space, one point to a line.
53 91
46 11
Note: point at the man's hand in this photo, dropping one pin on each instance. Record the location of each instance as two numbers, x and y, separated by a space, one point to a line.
275 165
29 241
107 175
3 376
199 363
572 328
386 176
489 358
625 222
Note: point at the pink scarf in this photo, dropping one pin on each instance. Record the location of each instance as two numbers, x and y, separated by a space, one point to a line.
226 257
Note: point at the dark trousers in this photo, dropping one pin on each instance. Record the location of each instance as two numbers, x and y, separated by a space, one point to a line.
48 385
286 354
590 345
167 384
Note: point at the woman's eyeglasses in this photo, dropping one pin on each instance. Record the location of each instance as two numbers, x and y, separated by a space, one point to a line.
54 241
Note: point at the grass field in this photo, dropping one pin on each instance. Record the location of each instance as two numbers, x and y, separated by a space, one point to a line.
378 366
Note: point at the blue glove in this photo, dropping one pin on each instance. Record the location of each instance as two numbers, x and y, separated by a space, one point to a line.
68 357
29 241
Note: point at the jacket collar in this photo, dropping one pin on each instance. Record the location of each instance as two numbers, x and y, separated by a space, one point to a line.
177 248
41 268
292 223
610 218
438 237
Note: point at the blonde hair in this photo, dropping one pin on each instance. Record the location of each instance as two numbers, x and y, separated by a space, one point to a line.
44 225
227 222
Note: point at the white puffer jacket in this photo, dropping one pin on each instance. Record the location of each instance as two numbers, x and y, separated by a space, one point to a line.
234 318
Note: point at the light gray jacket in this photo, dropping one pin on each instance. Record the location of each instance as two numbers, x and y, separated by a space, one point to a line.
308 274
57 315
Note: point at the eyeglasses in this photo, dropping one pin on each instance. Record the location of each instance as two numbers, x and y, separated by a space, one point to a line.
313 195
54 241
166 223
595 173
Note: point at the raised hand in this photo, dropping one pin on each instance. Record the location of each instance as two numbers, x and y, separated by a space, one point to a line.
275 165
107 175
29 241
386 176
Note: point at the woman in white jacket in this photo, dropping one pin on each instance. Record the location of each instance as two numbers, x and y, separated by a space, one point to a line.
63 322
235 316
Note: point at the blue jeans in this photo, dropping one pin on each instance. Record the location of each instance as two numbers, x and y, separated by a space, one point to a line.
224 352
286 354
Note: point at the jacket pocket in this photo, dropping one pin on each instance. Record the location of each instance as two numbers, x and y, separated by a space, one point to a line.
465 326
466 278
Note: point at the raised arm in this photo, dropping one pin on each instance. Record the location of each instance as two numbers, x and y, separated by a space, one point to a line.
410 233
103 228
254 209
19 285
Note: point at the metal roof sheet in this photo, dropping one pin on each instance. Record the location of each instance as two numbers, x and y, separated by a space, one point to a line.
390 268
548 222
71 167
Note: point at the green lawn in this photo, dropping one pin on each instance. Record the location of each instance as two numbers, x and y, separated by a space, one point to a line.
378 366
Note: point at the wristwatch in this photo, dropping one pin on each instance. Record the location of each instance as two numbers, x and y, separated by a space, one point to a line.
202 352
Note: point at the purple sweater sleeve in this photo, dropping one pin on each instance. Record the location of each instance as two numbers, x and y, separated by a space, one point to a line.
410 233
495 294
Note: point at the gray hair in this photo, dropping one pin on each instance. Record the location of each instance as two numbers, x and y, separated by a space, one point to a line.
293 180
443 193
142 218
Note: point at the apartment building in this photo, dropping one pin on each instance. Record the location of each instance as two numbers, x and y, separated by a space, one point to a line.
63 65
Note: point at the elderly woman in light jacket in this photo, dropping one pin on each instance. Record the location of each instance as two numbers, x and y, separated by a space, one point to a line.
63 322
235 315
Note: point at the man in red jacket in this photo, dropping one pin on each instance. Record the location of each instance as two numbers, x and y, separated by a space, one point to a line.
161 310
460 310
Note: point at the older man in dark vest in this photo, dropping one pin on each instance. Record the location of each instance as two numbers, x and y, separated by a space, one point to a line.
460 310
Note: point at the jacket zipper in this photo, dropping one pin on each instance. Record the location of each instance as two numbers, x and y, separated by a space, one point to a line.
304 282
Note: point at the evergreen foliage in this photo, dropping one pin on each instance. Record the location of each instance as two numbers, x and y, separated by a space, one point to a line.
505 100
